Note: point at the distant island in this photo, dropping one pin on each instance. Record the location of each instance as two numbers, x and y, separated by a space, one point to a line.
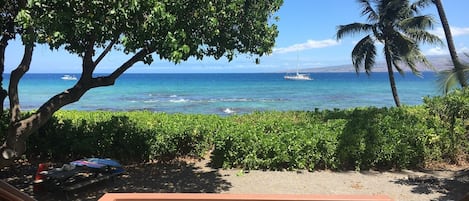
442 62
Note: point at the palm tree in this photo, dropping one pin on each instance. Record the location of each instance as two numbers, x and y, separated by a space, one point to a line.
394 24
448 78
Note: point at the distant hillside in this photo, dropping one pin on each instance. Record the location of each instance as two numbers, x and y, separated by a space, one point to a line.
438 62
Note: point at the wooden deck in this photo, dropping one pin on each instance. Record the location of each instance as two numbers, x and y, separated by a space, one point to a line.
10 193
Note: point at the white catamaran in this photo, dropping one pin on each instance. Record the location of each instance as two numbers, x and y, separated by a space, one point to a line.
298 76
68 77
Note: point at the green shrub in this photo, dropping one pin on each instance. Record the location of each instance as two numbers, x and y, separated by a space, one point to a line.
388 138
179 135
453 110
3 125
274 140
128 136
360 138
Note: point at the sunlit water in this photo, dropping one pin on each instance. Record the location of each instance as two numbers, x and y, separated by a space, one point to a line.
231 93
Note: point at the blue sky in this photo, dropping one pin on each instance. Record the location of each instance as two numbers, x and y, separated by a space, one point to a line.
307 37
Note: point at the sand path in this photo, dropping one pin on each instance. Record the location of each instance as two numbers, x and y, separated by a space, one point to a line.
197 176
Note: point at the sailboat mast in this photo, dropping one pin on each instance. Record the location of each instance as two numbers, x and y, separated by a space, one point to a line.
297 62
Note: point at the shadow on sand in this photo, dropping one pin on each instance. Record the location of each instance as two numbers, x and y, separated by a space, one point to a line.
452 188
174 176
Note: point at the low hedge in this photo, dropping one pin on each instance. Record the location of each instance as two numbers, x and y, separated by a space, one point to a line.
453 110
359 138
127 136
278 140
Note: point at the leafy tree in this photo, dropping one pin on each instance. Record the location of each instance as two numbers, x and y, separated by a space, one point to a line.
394 24
460 72
173 30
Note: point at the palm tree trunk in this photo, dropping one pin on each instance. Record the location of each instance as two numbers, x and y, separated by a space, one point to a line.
449 40
392 81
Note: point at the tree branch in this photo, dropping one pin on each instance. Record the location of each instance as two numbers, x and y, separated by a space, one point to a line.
15 77
74 94
129 63
88 64
107 50
56 102
111 78
3 92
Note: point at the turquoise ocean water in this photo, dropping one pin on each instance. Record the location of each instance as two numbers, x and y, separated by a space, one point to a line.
231 93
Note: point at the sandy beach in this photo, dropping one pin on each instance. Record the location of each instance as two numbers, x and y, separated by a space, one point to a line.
393 184
196 176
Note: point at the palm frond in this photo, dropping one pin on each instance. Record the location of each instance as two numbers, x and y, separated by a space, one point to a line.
396 64
422 36
421 58
447 80
399 44
405 50
394 10
417 22
370 57
367 9
462 68
411 63
413 58
351 29
420 4
364 54
414 27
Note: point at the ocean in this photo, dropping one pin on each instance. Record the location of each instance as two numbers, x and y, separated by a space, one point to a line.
226 94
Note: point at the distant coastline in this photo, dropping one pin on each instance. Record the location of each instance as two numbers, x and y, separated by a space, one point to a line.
438 62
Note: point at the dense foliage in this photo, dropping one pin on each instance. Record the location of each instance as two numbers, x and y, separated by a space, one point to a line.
91 29
453 110
360 138
127 136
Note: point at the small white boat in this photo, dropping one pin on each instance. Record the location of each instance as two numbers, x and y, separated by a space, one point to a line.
298 76
228 111
68 77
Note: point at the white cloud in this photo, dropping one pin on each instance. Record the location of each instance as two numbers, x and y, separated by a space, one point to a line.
464 50
459 31
310 44
455 31
436 51
444 51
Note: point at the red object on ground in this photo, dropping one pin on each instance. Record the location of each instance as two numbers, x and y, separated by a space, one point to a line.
38 177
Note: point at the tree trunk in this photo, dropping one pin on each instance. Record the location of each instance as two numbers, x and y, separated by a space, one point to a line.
8 32
20 129
392 81
449 40
14 142
3 92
